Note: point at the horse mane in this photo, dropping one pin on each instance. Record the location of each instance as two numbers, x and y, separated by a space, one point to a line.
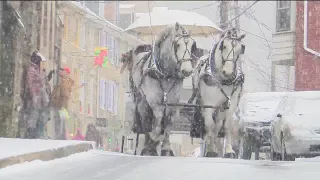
126 57
169 31
143 48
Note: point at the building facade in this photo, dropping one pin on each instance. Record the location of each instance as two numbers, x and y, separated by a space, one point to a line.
25 27
295 46
307 46
101 100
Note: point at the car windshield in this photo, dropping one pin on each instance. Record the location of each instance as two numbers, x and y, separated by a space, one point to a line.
263 109
303 106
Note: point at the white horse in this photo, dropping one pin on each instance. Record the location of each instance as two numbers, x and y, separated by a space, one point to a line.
156 79
218 83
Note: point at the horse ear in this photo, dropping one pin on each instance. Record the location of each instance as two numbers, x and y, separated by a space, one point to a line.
242 36
177 26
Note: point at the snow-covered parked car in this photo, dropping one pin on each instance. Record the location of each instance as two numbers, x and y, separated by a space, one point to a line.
296 129
255 112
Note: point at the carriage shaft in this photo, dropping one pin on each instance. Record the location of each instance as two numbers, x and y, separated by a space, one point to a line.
191 105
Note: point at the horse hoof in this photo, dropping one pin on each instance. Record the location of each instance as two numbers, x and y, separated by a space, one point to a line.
148 152
230 155
167 153
211 154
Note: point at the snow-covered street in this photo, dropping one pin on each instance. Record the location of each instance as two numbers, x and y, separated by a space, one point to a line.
112 166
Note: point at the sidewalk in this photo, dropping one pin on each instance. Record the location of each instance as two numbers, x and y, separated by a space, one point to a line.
15 151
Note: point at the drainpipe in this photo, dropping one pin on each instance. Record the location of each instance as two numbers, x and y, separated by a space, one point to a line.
305 37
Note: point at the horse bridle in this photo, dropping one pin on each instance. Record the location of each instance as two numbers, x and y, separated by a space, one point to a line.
233 42
186 37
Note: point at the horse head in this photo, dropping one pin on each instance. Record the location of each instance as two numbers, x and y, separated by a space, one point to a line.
230 47
173 49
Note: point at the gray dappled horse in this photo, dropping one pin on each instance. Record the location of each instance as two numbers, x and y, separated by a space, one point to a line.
218 83
156 75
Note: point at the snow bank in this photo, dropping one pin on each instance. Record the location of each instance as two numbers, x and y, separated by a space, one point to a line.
13 147
38 163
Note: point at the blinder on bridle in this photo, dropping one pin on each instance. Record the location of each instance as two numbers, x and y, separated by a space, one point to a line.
186 37
234 39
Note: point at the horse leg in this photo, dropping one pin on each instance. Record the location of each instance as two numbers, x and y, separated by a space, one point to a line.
158 112
150 146
209 125
166 147
146 119
230 153
219 141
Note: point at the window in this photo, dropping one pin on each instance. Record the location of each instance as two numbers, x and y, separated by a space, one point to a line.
76 94
283 16
90 38
71 26
111 84
82 91
115 98
108 96
102 96
90 94
103 40
116 51
65 30
83 35
76 33
45 25
110 45
96 36
93 6
101 9
111 96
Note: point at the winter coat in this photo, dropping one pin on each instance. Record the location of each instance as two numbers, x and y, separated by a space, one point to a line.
37 86
93 134
79 135
62 93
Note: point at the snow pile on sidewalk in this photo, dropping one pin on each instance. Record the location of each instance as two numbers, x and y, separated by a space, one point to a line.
14 147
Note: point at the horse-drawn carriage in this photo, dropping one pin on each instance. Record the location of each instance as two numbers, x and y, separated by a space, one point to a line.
156 74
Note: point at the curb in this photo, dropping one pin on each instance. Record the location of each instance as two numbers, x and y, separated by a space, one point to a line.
46 155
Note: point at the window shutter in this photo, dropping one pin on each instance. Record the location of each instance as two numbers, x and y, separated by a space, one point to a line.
102 94
107 94
110 105
115 99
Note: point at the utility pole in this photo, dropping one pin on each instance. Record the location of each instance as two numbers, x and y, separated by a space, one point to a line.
237 20
224 15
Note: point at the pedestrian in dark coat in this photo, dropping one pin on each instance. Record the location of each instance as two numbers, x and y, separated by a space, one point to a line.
93 134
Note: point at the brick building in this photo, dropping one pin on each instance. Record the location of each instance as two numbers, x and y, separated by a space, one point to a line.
296 46
307 53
